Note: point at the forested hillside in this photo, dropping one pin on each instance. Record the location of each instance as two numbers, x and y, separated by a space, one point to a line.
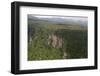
49 40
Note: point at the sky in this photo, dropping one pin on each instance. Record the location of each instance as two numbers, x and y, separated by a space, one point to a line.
75 18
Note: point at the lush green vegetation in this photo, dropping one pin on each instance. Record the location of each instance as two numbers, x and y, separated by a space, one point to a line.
74 41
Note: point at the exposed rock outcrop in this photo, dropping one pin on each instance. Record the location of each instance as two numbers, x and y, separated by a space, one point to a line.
55 41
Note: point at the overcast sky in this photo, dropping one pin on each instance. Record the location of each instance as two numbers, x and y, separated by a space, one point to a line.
75 18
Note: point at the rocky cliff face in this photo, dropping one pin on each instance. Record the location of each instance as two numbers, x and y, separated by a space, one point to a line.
55 41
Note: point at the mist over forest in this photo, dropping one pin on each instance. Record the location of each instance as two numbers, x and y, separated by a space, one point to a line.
57 37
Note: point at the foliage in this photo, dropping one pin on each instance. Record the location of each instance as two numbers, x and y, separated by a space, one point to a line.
75 41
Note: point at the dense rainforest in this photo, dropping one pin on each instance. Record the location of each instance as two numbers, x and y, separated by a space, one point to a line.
50 41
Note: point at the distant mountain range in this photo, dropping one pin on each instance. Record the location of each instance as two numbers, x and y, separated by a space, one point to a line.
61 20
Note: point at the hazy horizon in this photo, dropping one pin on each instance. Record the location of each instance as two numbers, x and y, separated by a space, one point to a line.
64 19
